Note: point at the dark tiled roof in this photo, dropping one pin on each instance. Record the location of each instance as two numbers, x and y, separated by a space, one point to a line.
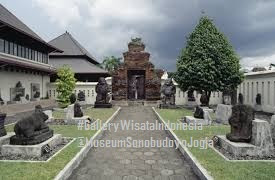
7 18
70 47
78 65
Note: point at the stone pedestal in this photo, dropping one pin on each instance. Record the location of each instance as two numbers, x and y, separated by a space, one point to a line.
223 113
99 105
191 104
75 120
261 135
41 136
258 107
195 121
70 112
261 144
31 150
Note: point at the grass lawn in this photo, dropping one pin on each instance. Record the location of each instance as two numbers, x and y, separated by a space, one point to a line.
214 163
35 171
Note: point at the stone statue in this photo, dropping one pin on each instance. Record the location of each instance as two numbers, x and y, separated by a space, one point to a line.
190 95
203 99
241 123
81 96
72 98
32 129
133 88
103 91
77 110
137 41
2 124
198 112
240 98
258 99
169 91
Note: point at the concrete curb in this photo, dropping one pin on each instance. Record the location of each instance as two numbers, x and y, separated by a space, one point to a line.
74 163
200 171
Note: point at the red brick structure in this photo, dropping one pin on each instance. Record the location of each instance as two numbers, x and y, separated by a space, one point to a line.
137 73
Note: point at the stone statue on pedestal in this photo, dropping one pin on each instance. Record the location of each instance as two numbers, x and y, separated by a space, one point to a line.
32 129
198 112
169 91
77 110
241 123
103 91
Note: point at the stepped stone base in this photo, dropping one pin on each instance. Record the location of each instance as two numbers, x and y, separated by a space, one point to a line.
261 143
43 136
31 150
102 105
75 120
197 121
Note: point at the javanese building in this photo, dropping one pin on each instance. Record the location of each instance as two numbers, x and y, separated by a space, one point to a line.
24 61
74 55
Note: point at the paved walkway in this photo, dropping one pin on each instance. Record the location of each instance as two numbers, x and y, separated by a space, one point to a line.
124 163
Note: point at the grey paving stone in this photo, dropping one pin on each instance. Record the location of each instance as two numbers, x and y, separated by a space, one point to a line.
130 163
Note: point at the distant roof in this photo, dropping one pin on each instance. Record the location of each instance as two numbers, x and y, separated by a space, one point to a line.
259 73
78 65
70 47
7 18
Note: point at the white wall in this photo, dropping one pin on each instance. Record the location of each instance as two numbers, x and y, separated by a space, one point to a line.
181 97
90 94
9 79
87 87
259 82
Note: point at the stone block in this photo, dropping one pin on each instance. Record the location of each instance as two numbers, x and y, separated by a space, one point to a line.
75 120
223 113
192 121
237 148
70 112
261 143
31 150
261 134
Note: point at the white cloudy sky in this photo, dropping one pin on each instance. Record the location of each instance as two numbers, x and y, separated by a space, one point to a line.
105 26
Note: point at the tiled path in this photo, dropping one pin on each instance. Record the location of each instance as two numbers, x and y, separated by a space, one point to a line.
134 163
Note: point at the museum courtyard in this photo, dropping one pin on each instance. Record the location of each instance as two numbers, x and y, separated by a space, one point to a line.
137 90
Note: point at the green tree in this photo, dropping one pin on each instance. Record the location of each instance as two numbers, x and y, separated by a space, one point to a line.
65 85
208 62
111 63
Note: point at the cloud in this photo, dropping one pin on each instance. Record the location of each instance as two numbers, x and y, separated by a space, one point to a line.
105 27
263 61
61 12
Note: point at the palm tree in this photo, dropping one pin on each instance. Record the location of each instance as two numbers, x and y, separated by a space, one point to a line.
111 63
